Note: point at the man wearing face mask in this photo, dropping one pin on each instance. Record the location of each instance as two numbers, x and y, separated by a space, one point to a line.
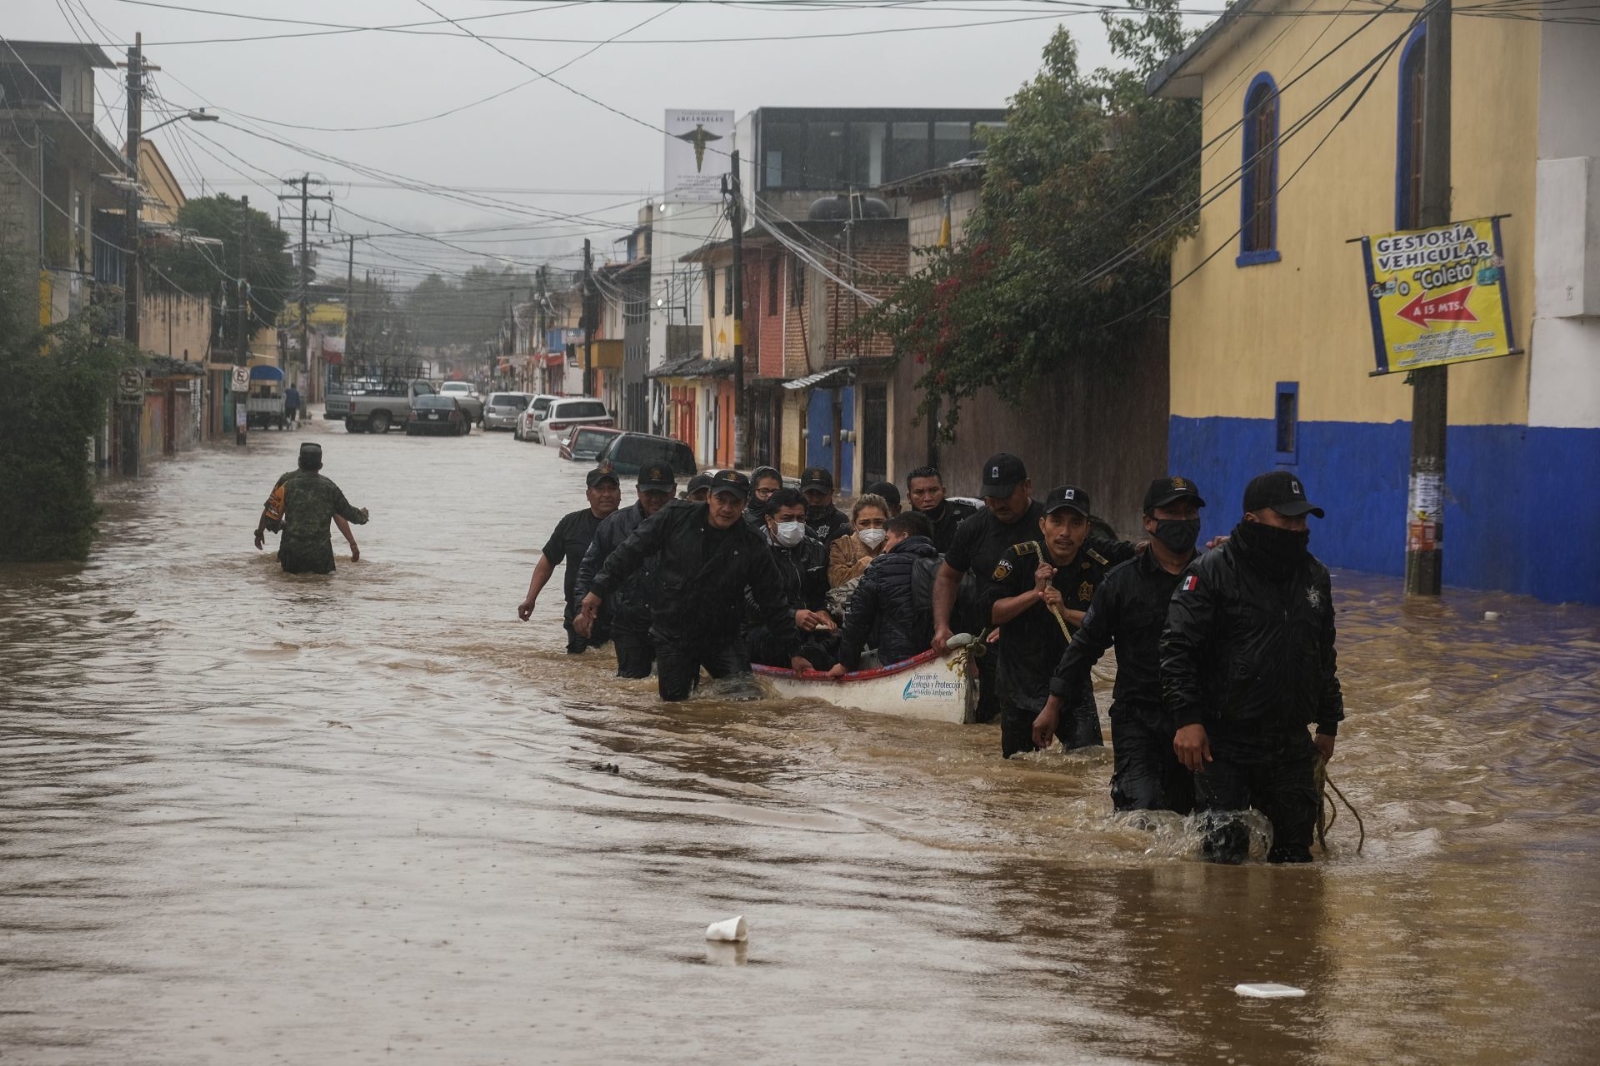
1040 592
827 522
1129 609
628 607
1247 662
803 568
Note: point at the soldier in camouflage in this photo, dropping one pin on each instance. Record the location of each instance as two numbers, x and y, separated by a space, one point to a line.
310 502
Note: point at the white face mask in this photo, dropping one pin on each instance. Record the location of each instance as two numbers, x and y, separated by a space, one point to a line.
790 533
872 537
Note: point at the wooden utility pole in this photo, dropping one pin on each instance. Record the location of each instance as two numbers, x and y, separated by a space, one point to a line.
741 441
588 319
242 356
305 196
1430 386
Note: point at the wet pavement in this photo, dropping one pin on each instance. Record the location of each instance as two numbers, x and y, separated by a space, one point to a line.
248 818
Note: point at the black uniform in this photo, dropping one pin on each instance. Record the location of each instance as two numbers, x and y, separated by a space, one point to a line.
944 521
827 524
803 570
627 610
887 609
1248 652
701 577
1130 611
1032 643
980 540
567 543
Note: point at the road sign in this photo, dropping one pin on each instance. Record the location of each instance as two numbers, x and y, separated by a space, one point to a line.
130 385
241 379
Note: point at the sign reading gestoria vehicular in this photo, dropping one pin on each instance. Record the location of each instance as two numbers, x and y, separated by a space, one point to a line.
1438 295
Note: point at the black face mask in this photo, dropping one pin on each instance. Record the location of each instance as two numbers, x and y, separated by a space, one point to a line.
1279 551
1178 534
817 514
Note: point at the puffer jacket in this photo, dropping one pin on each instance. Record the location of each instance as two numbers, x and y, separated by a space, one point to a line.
700 597
1248 655
885 610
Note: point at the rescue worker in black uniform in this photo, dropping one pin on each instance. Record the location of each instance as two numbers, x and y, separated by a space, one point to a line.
1039 593
1010 516
627 610
803 568
889 493
567 543
699 489
827 522
708 558
925 489
889 607
1129 610
1247 661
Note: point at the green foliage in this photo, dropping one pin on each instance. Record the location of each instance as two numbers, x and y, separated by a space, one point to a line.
1088 188
200 269
57 385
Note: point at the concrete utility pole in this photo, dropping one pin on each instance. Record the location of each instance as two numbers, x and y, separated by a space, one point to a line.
305 196
1430 386
588 319
242 357
741 445
130 269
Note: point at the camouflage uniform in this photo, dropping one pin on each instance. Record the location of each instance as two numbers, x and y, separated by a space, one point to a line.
309 503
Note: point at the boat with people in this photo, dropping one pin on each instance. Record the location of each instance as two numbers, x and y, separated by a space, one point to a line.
930 686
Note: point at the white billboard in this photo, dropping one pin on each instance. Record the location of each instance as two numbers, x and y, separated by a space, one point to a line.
698 144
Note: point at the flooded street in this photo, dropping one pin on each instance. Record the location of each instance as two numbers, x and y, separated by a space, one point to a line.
246 818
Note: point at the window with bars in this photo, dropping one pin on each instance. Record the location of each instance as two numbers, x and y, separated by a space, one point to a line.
1258 219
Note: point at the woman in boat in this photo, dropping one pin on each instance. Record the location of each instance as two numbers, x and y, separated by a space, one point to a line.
849 557
887 608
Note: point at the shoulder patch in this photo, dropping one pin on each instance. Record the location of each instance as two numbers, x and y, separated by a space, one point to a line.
1002 570
1097 557
1189 583
1028 547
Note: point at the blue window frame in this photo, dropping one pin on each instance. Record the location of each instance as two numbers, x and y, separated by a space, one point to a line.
1408 132
1286 430
1258 189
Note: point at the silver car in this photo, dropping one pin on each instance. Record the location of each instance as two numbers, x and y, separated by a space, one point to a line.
503 408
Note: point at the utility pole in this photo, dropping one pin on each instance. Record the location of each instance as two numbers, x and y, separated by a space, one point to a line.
588 319
305 196
741 446
130 281
1430 386
242 357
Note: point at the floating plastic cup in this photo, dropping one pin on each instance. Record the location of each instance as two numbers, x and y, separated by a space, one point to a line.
1491 616
731 931
1269 990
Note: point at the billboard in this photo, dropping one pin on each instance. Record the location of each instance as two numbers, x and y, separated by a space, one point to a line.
1438 295
698 145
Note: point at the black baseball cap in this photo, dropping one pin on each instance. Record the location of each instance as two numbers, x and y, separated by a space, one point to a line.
1001 475
698 482
730 481
659 476
602 473
1281 491
887 489
1165 490
816 477
1067 498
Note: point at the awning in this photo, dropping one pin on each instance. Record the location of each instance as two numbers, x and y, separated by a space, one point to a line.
814 379
265 373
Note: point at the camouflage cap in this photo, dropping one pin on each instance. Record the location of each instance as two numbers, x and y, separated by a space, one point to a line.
311 453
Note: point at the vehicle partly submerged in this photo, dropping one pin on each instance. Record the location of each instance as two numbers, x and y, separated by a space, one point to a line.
933 687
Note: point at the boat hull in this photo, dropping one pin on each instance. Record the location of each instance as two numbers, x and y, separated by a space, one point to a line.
924 687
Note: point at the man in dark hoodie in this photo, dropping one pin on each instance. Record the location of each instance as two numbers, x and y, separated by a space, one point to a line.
827 522
887 608
1247 662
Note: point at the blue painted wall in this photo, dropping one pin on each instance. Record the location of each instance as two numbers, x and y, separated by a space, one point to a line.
1522 511
819 423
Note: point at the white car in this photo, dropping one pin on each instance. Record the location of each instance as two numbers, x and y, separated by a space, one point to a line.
537 406
502 409
566 414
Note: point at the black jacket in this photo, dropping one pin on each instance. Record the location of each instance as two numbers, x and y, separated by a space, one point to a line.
804 571
828 526
701 576
629 605
1247 655
945 520
885 607
1129 610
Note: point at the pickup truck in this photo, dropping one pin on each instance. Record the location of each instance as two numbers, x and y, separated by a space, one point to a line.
376 406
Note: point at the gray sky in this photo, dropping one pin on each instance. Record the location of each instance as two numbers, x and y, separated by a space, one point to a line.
561 153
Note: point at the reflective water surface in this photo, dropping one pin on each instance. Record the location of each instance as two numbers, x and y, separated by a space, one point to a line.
248 818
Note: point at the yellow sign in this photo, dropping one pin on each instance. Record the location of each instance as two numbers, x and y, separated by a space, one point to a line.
1438 295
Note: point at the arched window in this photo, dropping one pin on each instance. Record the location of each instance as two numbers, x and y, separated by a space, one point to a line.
1258 217
1408 140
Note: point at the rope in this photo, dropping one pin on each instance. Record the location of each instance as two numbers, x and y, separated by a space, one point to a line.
1328 813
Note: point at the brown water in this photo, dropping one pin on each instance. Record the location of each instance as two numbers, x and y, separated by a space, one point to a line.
246 818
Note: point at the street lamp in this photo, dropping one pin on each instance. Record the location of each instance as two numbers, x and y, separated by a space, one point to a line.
193 115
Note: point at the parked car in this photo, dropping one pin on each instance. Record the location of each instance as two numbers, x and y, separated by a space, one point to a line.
586 442
381 404
438 414
627 452
467 393
502 409
566 413
536 407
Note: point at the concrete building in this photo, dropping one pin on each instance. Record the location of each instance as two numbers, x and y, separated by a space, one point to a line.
1272 342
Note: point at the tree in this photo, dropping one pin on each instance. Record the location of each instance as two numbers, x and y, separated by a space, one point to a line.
268 265
467 313
58 383
1087 189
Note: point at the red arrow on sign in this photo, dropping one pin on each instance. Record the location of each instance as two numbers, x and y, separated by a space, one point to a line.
1446 307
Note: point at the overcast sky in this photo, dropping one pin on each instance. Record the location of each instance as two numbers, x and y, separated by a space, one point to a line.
540 146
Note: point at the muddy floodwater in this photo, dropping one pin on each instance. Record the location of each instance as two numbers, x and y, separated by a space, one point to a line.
246 818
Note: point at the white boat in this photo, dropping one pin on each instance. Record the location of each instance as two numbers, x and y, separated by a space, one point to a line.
929 687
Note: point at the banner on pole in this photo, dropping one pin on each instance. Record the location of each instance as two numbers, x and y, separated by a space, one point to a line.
1438 295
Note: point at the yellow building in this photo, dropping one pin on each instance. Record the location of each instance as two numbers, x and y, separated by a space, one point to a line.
1271 340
